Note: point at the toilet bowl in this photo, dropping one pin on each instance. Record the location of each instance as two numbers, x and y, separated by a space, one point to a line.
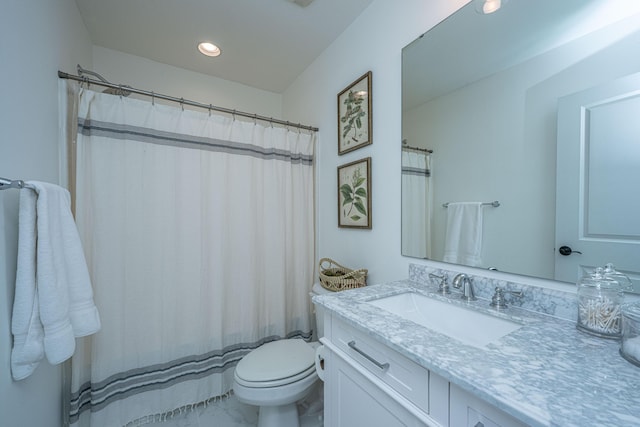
274 377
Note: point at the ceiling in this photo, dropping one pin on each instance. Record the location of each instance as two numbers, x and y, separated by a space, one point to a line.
265 44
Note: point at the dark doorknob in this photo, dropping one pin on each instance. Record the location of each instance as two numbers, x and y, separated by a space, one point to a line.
566 250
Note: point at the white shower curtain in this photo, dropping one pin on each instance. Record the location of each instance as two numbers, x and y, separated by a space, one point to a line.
198 231
416 204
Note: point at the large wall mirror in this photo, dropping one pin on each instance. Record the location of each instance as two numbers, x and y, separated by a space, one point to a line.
536 107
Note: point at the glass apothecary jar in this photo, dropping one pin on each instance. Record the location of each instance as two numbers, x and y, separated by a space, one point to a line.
599 305
630 347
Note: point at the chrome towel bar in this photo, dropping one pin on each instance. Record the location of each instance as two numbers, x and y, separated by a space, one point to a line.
10 183
495 204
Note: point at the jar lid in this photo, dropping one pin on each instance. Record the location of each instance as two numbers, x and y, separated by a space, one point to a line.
611 272
598 279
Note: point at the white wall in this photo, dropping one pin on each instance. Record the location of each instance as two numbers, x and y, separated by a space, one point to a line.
37 38
373 42
145 74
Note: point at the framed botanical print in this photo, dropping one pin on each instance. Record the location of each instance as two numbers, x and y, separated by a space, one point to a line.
354 115
354 194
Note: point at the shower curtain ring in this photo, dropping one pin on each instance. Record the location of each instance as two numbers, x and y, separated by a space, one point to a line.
255 119
182 103
210 108
233 115
153 98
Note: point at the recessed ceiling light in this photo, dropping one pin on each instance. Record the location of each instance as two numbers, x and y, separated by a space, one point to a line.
489 6
209 49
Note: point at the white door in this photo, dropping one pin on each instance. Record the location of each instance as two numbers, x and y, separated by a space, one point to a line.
598 180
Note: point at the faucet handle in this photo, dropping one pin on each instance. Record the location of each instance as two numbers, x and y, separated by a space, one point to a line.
443 285
498 301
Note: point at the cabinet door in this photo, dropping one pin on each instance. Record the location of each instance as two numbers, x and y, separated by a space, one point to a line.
438 399
466 410
351 399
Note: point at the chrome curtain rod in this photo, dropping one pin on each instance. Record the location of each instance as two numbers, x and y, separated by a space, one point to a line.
182 101
5 184
495 204
405 145
423 150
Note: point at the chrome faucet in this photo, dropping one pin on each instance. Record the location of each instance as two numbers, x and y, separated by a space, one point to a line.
463 281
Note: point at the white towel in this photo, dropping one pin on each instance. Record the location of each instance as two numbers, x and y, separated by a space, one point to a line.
56 289
28 335
463 234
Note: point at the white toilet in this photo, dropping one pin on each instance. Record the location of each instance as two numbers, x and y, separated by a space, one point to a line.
275 376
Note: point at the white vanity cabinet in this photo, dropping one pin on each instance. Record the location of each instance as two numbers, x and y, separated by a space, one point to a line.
369 384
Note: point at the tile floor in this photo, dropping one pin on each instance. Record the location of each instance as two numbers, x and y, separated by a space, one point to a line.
231 413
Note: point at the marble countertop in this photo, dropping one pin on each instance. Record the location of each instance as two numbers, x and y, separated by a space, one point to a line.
546 373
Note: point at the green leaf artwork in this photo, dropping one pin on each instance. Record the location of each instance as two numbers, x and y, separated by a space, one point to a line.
354 195
353 115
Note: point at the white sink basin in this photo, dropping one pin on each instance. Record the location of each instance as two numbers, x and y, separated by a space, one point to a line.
469 326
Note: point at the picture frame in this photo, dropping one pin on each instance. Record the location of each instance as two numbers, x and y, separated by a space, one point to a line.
354 115
354 194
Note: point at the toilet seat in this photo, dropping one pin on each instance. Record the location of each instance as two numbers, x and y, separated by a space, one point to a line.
278 382
288 361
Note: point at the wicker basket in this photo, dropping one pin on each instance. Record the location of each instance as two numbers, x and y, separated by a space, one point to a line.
335 277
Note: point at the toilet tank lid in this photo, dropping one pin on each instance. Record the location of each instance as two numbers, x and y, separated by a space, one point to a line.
276 360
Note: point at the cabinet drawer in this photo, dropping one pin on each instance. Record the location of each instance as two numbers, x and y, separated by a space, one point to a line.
353 399
404 376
